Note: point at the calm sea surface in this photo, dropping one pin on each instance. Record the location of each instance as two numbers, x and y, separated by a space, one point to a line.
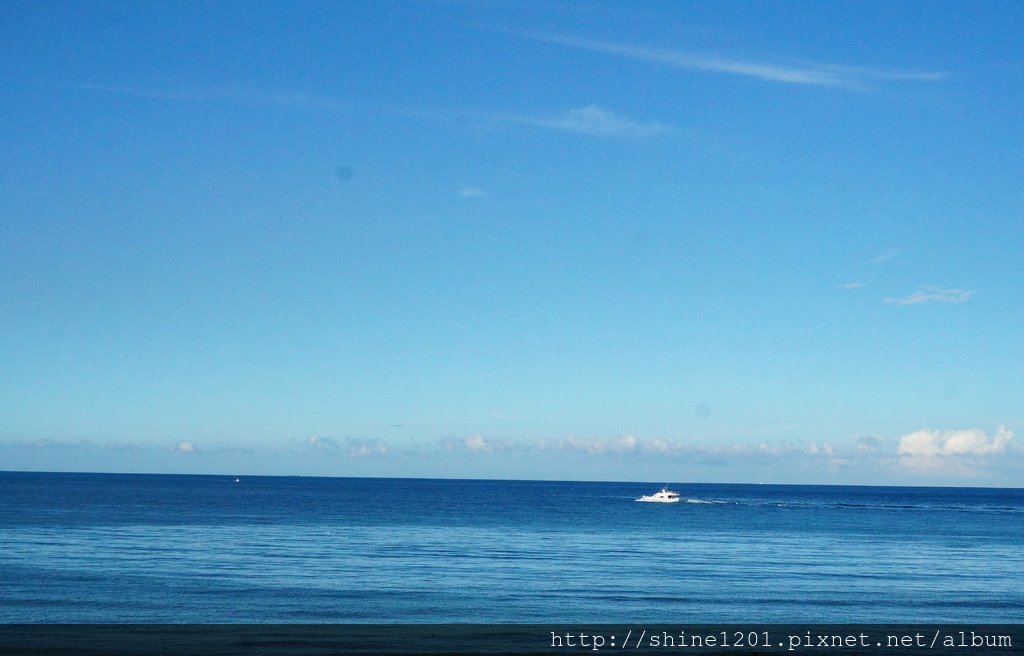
205 549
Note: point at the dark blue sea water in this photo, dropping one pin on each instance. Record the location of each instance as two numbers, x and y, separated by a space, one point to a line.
204 549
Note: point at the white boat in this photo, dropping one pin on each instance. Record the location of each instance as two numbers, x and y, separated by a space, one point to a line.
664 495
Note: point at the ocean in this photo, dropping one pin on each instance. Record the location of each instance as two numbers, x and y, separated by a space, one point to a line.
119 548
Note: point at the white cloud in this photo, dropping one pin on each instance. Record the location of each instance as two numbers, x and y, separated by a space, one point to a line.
869 444
595 120
660 446
352 446
592 120
185 447
813 74
319 442
957 453
472 192
852 285
929 443
478 443
931 294
823 449
885 256
361 448
591 445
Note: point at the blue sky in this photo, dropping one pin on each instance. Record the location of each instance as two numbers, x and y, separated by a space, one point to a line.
774 242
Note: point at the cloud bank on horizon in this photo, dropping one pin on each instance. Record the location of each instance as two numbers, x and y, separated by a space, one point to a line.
967 456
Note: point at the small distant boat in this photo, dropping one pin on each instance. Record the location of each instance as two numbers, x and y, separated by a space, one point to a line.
237 481
664 495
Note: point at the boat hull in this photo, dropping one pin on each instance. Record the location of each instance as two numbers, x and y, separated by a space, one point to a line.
663 496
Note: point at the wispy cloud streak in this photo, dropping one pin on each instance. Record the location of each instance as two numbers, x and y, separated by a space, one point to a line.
592 120
931 294
813 74
225 95
885 256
